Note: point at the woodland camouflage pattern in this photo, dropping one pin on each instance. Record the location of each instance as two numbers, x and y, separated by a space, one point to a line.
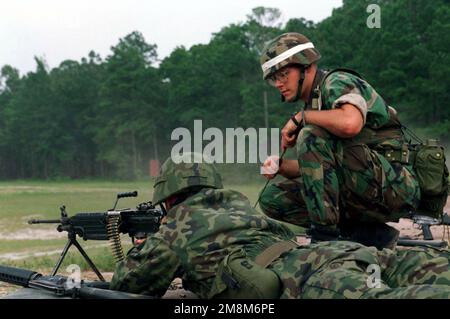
283 43
175 178
346 177
207 227
339 270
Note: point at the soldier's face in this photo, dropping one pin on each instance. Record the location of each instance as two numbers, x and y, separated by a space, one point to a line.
286 81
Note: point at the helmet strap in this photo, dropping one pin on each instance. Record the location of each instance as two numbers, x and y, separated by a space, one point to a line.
300 84
163 209
299 87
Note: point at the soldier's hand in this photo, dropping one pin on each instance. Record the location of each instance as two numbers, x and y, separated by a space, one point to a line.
288 135
139 241
271 166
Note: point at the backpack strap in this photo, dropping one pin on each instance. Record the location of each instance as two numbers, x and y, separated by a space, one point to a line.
268 255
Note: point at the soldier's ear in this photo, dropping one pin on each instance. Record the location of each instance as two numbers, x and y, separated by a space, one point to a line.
311 69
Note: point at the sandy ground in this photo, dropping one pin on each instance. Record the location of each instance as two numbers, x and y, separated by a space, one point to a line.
27 254
32 233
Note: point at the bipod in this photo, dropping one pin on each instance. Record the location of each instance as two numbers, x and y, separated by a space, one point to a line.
72 240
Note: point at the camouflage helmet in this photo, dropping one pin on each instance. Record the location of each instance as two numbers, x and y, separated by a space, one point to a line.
288 48
180 173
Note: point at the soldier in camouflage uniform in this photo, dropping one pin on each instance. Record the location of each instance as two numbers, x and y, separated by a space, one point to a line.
222 248
353 172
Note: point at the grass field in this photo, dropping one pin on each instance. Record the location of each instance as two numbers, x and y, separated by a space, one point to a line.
38 246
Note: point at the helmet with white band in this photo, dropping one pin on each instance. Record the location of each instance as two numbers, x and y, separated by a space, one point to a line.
286 49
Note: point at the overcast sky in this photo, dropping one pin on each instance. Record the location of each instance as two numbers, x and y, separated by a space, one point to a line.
69 29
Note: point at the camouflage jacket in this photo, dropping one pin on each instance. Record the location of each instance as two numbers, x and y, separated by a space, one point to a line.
339 87
199 233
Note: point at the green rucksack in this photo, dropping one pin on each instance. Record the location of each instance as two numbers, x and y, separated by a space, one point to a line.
432 174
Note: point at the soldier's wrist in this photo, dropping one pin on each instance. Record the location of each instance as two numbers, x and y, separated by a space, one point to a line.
299 118
294 119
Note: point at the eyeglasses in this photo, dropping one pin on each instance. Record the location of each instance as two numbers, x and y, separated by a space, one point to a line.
280 75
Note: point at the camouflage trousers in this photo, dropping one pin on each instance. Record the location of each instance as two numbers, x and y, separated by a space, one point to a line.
339 179
338 270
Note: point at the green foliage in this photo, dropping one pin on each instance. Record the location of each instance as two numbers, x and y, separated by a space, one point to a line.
108 117
131 99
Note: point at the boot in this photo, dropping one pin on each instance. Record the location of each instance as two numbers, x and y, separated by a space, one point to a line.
323 233
379 235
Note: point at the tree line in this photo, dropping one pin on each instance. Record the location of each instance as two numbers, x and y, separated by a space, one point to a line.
106 117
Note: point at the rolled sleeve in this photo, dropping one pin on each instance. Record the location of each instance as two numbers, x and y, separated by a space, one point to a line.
353 99
341 87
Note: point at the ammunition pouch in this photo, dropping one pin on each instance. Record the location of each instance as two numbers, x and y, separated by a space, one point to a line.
404 155
239 277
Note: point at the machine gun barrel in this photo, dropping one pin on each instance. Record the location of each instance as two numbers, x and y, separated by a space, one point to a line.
44 221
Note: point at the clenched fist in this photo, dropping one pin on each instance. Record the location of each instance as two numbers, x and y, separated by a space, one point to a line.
271 166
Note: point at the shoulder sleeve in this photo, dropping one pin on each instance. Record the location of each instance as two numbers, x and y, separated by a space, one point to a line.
148 269
341 88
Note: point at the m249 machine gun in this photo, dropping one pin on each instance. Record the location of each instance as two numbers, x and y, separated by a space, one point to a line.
143 220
